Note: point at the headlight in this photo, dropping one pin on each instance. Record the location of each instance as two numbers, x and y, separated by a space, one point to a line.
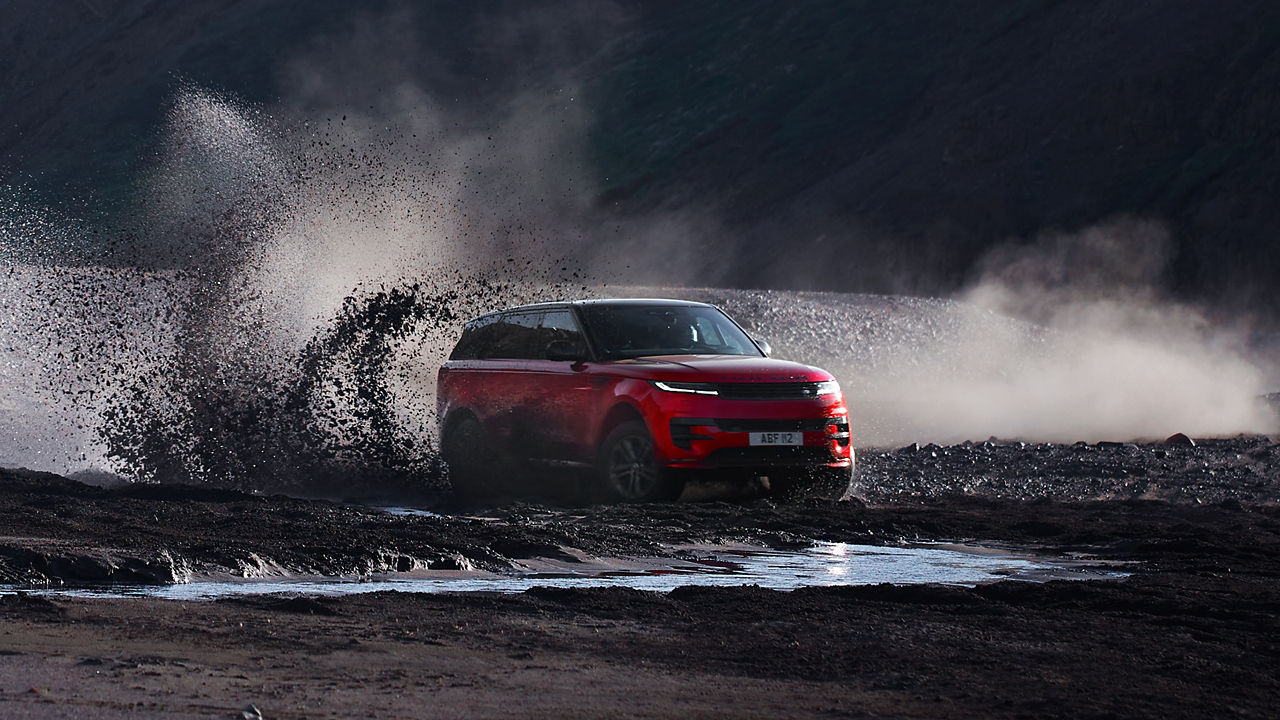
687 387
828 387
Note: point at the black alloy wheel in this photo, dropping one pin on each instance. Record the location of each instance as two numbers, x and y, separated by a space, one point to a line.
627 468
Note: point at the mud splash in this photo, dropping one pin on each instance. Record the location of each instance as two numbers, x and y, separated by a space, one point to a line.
265 316
331 418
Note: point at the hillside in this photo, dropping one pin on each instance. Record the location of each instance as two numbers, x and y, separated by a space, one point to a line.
855 146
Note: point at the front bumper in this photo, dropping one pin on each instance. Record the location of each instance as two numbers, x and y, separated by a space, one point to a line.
726 442
715 433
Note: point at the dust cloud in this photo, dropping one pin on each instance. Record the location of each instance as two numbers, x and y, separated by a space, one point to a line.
1070 338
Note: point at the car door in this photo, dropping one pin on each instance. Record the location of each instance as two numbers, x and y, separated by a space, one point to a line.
564 392
510 386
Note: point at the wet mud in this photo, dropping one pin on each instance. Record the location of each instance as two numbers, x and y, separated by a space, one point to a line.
1192 631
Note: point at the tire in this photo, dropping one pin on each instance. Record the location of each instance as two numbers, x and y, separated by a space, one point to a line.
821 483
627 470
467 453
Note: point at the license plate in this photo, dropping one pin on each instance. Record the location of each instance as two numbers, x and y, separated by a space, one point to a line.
777 438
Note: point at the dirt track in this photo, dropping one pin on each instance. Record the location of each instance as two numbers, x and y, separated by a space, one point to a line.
1195 632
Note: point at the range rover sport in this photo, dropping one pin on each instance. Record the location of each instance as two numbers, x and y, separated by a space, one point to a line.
638 394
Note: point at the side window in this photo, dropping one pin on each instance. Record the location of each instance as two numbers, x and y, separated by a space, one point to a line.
559 325
475 338
516 337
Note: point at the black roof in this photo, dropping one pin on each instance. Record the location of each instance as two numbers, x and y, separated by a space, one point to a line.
593 301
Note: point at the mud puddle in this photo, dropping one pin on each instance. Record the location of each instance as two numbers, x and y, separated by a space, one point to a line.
403 511
824 564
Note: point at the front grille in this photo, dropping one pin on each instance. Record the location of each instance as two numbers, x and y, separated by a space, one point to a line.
768 391
683 435
740 425
769 456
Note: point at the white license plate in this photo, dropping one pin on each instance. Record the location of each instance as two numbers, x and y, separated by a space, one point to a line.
777 438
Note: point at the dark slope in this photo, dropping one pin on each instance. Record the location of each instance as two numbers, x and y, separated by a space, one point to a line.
930 131
852 145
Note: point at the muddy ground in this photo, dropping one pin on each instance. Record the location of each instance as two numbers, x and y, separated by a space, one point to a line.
1193 632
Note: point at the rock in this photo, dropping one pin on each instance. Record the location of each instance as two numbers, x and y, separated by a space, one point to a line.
251 712
909 449
451 562
1179 439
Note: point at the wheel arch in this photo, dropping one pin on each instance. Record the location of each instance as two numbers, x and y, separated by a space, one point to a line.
620 413
455 416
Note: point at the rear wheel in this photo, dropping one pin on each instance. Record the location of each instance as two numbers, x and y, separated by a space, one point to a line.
627 469
467 452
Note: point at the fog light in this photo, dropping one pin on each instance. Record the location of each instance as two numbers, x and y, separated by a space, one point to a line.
838 432
685 430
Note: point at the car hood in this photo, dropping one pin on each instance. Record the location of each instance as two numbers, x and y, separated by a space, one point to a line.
716 368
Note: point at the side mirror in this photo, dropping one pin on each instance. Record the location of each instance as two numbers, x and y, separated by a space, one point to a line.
764 346
565 351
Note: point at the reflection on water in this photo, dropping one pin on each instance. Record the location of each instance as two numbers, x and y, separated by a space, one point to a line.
824 564
408 511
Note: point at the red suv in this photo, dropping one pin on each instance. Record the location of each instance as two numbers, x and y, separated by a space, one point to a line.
639 393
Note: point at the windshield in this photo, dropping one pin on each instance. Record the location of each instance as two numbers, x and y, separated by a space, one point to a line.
628 331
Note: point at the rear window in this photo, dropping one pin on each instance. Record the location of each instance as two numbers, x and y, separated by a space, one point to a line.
475 336
509 336
517 336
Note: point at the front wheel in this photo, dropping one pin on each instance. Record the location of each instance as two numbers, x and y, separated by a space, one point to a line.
627 469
